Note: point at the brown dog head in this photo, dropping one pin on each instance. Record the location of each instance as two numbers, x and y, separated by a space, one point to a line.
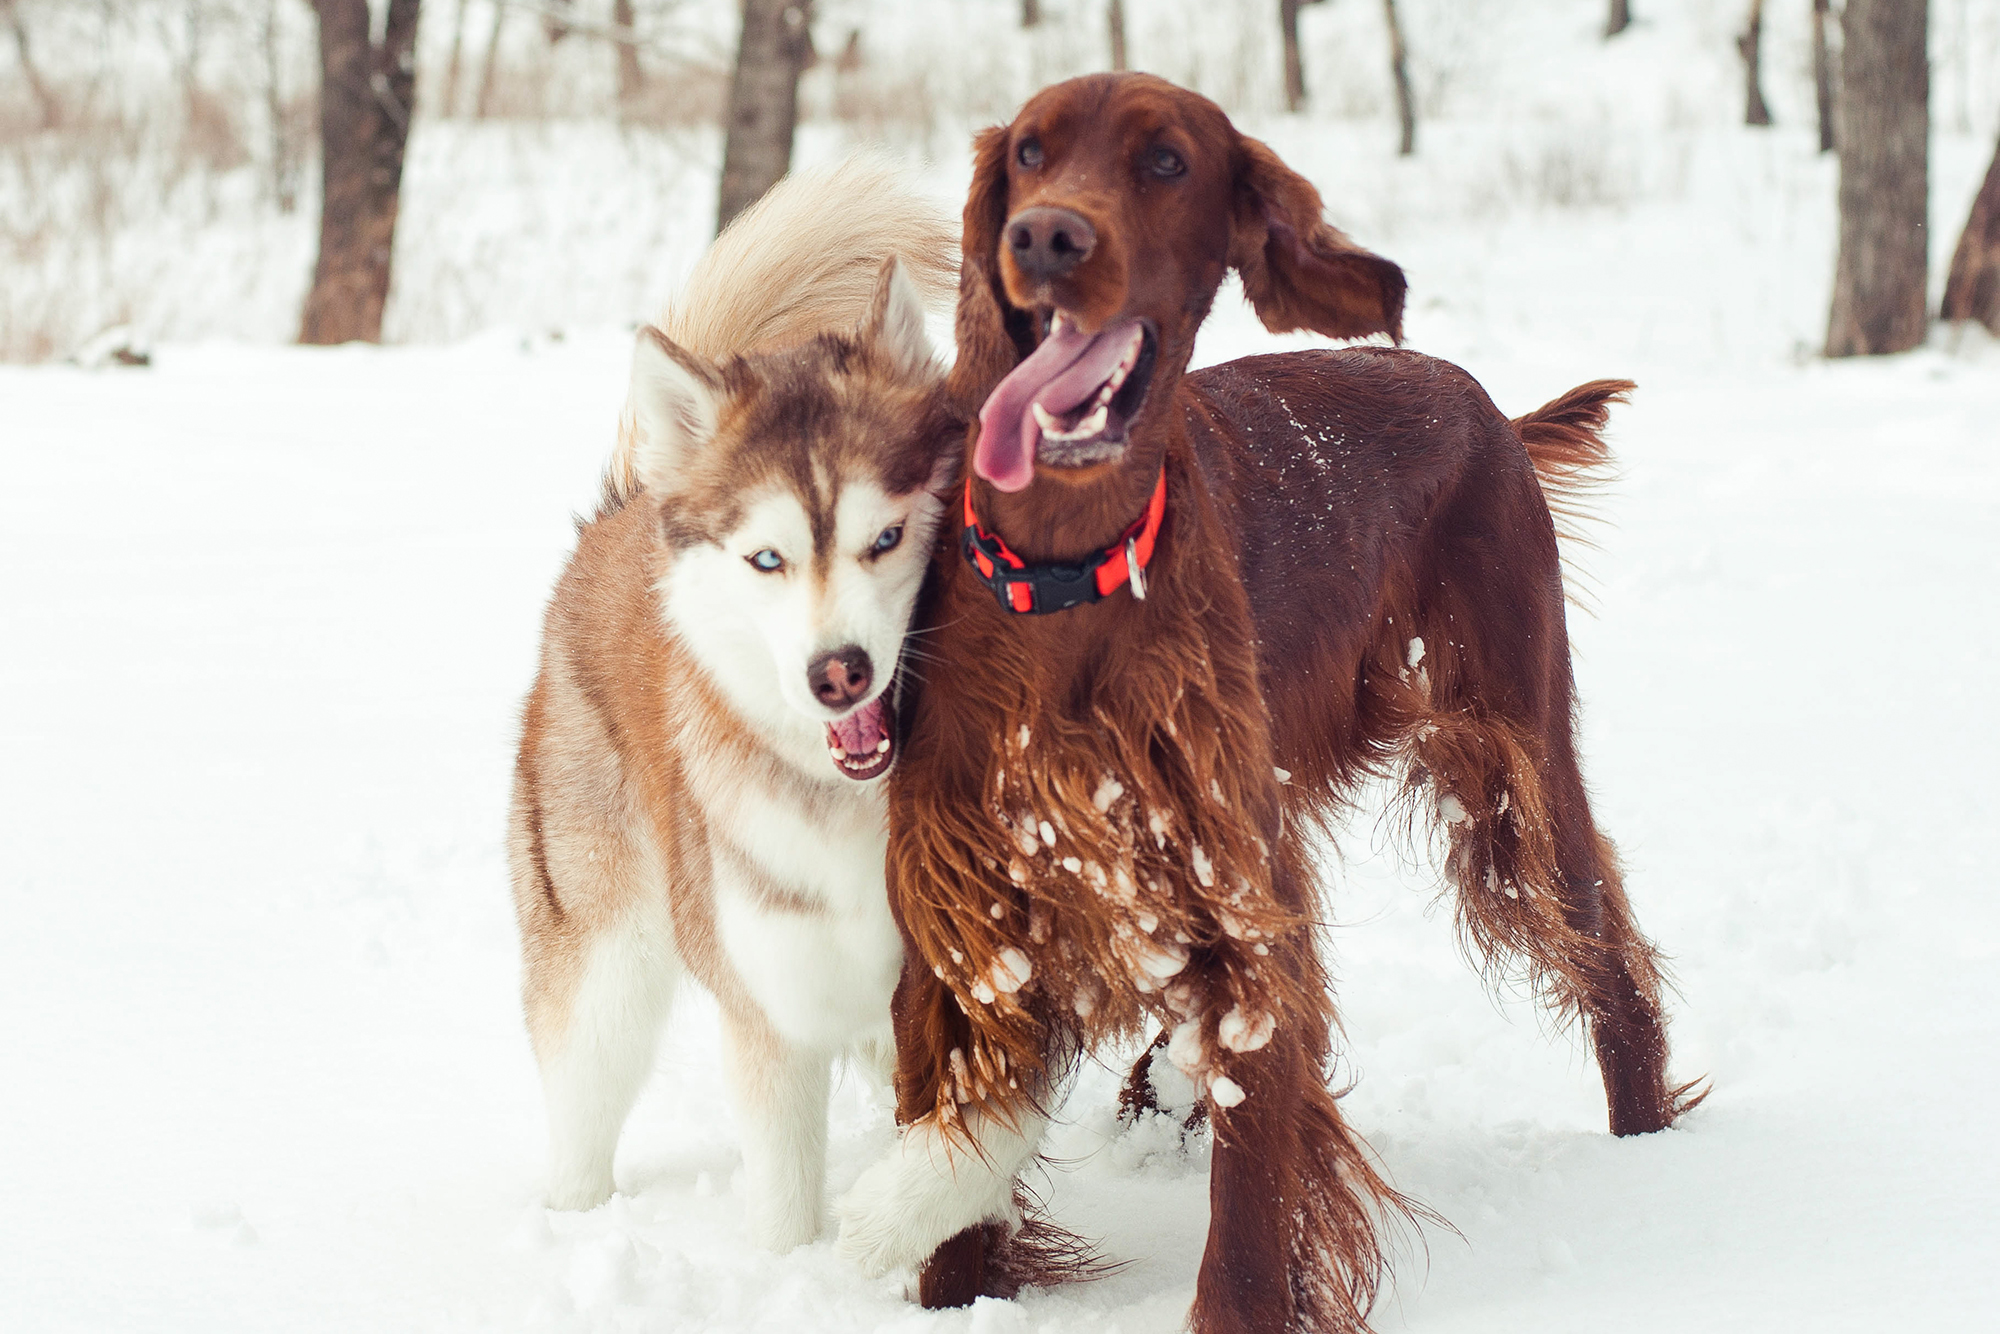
1097 230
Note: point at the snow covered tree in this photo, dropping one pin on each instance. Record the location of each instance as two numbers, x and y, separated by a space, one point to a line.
1879 285
367 94
775 48
1972 292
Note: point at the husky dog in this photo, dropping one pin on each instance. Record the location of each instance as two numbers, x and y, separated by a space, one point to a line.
698 788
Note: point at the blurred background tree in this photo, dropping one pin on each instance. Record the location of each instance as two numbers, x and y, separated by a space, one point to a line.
1972 291
1880 281
367 98
773 51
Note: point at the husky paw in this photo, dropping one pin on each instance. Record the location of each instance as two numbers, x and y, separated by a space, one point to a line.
580 1191
910 1202
784 1230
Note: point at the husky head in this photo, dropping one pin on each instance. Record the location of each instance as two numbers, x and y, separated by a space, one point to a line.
799 493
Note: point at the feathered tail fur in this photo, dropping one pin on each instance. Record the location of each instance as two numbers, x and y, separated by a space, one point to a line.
801 260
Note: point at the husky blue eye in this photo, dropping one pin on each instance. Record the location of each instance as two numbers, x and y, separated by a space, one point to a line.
889 539
767 560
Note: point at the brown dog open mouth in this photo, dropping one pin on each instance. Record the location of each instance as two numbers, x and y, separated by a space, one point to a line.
1069 404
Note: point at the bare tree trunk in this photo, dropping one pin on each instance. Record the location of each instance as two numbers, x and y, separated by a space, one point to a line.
190 62
774 50
482 107
1879 285
1114 18
367 92
1749 44
1972 292
1822 76
45 96
450 98
284 147
1295 65
1031 13
553 25
631 78
1620 19
1399 65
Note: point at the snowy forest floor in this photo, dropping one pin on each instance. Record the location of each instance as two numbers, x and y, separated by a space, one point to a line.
266 617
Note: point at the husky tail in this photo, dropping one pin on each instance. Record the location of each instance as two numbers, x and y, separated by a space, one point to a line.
803 259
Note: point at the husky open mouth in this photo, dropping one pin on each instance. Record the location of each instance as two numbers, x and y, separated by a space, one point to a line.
860 743
1069 404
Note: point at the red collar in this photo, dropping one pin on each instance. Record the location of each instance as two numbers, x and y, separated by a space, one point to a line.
1032 590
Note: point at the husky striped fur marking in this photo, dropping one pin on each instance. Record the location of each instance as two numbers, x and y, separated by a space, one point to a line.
698 791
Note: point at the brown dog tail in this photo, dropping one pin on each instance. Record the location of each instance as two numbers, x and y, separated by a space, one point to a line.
1565 441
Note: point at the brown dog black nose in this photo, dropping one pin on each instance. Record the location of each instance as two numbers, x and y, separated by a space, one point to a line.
1049 242
840 677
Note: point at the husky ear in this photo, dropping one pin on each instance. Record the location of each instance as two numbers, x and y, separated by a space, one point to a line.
1299 272
894 325
674 402
992 335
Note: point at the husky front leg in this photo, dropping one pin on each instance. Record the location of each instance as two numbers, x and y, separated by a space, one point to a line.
937 1185
595 1046
781 1095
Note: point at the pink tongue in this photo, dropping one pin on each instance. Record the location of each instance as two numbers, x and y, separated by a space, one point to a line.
859 732
1064 371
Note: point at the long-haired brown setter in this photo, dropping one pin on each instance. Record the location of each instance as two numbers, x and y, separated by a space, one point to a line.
1183 617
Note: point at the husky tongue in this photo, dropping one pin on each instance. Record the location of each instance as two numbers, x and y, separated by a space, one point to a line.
860 732
1063 372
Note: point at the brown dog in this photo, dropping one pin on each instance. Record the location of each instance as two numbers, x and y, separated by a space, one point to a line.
1281 574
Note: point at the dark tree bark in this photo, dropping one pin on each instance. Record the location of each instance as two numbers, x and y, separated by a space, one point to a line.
631 78
774 50
1823 76
1295 65
366 95
1749 45
1399 65
1114 18
1619 20
1879 285
46 100
1031 13
1972 292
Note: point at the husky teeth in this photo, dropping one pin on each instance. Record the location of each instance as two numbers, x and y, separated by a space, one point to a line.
882 746
837 752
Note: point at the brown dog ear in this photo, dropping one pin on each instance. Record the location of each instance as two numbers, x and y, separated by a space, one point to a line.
1298 271
992 335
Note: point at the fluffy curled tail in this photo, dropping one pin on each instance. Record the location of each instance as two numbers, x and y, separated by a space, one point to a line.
802 260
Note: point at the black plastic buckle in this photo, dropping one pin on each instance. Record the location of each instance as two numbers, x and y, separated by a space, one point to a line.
1052 586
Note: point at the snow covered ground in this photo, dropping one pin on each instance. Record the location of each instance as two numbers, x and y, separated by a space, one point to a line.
266 615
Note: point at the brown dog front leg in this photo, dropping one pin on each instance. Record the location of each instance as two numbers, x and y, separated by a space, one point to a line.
955 1275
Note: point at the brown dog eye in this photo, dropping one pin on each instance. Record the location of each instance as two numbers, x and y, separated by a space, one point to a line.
1166 162
1029 154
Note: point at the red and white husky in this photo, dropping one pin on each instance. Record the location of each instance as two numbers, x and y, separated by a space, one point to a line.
698 788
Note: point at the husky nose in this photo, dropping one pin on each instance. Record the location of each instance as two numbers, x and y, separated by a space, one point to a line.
840 677
1049 242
